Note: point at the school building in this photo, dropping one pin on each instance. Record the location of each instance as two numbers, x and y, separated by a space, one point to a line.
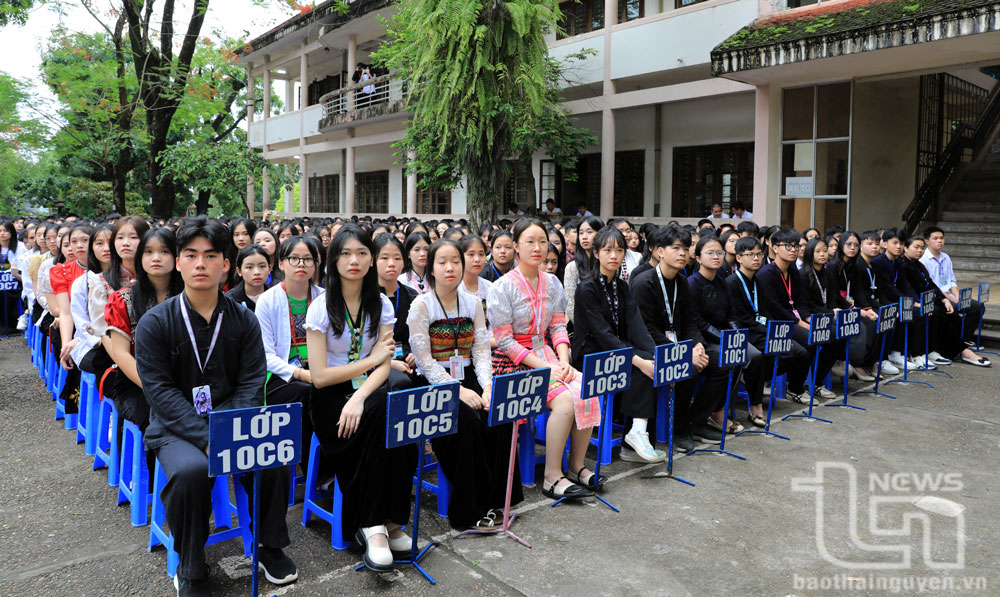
852 112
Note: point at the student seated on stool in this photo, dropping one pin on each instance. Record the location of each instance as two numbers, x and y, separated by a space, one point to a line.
196 352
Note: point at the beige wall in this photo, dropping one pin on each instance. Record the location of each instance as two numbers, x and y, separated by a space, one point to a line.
884 151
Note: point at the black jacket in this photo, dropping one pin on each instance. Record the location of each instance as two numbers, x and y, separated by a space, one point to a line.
892 282
815 283
741 311
647 296
401 301
774 301
919 278
169 370
239 295
865 296
710 302
594 328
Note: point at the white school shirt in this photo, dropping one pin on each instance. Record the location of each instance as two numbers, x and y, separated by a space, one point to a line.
337 347
272 313
79 294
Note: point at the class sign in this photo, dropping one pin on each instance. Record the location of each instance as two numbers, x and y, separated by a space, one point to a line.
249 439
421 414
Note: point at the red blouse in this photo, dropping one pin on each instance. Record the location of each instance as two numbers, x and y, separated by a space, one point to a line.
63 275
117 314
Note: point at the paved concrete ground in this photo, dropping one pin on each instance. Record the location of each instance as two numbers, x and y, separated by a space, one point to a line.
742 530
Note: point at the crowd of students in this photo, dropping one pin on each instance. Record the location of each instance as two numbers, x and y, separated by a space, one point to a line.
177 318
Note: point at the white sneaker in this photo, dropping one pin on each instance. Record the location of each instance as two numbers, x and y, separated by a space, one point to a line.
920 362
890 369
824 393
896 359
937 359
22 322
643 451
838 369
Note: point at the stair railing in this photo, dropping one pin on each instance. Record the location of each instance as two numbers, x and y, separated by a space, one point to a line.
926 199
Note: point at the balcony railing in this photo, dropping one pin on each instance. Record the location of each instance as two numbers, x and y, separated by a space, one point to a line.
376 98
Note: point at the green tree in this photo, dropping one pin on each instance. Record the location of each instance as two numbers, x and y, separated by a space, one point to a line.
20 140
14 12
482 89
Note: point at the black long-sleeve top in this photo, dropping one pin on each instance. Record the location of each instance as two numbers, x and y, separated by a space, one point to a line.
401 301
741 311
710 305
815 284
594 327
865 286
919 278
647 296
167 365
774 296
892 281
239 294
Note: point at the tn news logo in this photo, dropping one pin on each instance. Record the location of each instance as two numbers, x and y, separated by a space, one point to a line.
912 518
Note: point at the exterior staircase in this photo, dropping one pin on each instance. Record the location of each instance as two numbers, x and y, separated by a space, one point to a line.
971 221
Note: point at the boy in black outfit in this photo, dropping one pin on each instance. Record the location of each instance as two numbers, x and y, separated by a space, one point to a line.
744 302
196 352
664 302
782 298
893 284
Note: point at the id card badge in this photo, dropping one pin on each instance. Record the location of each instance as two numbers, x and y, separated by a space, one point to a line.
538 346
796 313
399 350
671 336
357 382
295 362
587 413
202 399
761 320
457 367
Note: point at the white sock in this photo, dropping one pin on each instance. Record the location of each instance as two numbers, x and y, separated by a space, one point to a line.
639 425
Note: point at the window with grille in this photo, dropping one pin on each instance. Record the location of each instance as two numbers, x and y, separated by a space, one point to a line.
324 194
429 201
588 15
371 192
518 187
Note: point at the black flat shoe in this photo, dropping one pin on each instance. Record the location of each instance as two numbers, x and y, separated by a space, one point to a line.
550 490
593 482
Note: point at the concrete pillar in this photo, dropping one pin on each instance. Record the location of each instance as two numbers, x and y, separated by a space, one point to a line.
289 200
352 63
303 78
266 186
267 88
411 188
766 153
250 195
608 118
303 183
349 176
251 88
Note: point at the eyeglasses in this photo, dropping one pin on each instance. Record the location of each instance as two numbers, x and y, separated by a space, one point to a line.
713 253
851 245
752 255
789 246
533 243
296 261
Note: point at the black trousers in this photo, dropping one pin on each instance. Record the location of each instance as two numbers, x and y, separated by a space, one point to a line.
376 482
947 333
187 499
691 409
759 368
280 391
475 459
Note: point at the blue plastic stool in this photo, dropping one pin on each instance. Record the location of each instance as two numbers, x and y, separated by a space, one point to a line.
442 489
607 408
87 421
133 484
223 512
311 508
29 336
50 368
106 440
295 481
37 351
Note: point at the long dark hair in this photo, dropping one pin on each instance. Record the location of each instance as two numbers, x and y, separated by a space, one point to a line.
560 252
114 274
92 262
585 264
607 236
12 243
432 252
809 254
841 261
144 293
411 240
277 245
371 296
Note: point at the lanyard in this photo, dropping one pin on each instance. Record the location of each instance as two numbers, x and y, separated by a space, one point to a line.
397 299
822 289
612 300
666 303
753 301
356 337
787 284
291 318
458 314
871 278
194 341
495 270
537 307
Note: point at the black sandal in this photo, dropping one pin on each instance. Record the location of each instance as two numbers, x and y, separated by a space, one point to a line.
570 491
593 482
